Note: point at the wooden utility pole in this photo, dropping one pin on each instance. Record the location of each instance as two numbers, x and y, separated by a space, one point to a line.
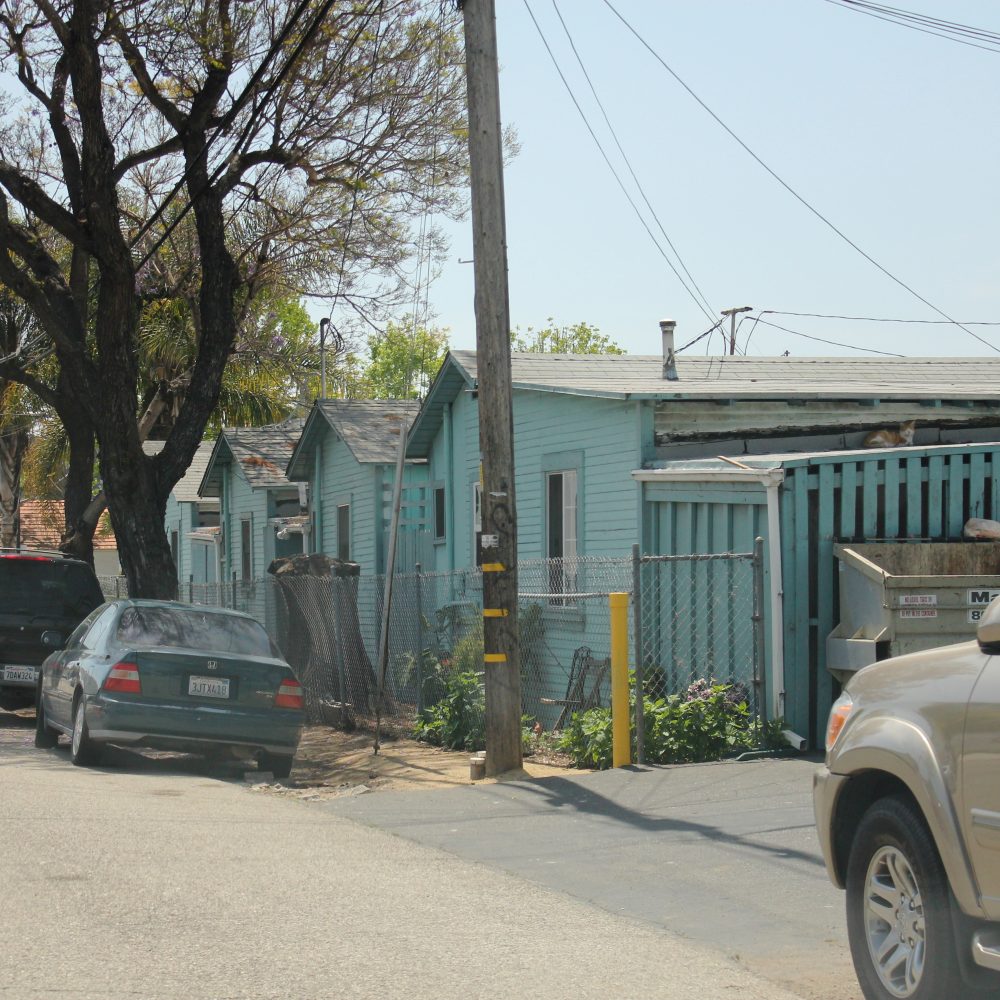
731 313
496 424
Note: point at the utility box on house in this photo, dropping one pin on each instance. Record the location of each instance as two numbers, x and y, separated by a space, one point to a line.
900 597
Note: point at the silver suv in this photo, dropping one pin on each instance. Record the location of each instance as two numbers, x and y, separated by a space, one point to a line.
908 815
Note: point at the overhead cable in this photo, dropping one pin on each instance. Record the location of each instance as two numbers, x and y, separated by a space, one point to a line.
611 167
798 197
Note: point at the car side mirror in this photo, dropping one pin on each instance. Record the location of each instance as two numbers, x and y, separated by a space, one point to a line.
52 639
988 630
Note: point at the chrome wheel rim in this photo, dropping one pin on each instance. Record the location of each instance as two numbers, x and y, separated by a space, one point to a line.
894 922
77 729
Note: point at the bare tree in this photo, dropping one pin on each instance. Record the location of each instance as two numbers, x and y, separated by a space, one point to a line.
301 139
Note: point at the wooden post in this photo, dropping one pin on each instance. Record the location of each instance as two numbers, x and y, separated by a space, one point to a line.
496 425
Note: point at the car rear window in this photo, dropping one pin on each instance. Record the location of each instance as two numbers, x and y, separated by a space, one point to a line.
192 629
48 588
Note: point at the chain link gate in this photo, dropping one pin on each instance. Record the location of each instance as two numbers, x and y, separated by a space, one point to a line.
698 618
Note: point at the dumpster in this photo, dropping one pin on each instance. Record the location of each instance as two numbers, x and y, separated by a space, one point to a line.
899 597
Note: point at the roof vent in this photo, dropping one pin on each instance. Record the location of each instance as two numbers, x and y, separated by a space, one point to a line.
669 367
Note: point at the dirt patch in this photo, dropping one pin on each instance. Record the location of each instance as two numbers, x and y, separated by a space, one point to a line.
330 763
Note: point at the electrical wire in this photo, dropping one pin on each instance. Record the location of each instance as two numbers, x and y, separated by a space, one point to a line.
949 30
611 167
878 319
821 340
627 161
819 215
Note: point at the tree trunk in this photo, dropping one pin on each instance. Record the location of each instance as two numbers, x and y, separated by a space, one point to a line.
78 539
13 445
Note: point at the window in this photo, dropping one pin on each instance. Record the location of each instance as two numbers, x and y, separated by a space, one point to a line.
344 532
246 550
477 522
440 521
561 535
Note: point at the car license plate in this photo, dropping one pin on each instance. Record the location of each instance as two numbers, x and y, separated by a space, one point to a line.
209 687
12 673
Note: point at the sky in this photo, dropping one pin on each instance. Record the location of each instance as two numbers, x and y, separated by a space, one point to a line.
889 133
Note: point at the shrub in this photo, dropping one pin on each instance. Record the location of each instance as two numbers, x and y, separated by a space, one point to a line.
456 721
708 722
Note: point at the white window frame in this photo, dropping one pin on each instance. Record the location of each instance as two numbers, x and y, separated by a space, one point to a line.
562 564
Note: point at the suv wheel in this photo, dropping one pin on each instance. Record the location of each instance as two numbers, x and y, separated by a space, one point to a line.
899 917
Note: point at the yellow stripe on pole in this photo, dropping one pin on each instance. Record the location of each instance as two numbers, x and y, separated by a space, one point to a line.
493 567
495 657
621 748
495 612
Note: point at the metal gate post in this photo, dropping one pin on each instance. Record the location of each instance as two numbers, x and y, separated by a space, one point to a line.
420 644
758 624
640 723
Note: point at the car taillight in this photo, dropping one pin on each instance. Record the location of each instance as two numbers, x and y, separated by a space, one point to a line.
838 717
124 677
289 694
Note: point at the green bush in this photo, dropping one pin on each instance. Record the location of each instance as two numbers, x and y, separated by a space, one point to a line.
708 722
457 720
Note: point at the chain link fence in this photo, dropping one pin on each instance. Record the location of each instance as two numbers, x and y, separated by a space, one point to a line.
697 618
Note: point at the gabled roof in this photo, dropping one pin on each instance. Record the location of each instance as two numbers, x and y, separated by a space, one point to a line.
633 376
369 427
186 488
262 454
43 522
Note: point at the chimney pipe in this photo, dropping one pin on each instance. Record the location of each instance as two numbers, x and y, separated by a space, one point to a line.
667 331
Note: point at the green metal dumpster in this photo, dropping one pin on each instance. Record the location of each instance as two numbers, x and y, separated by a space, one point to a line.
899 597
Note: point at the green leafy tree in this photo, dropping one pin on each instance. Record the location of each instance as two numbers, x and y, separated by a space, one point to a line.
580 338
400 364
306 140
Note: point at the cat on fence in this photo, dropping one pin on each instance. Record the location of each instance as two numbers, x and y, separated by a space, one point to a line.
886 437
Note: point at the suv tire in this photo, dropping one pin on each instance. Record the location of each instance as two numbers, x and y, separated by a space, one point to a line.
899 910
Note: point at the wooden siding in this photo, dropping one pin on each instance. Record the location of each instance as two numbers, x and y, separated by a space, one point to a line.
346 481
902 495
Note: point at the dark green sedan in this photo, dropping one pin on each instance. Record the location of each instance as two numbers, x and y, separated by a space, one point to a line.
169 676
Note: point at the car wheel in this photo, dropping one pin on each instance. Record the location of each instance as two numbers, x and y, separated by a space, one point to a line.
899 916
83 751
278 764
45 736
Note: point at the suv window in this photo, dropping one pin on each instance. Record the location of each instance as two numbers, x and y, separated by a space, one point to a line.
48 588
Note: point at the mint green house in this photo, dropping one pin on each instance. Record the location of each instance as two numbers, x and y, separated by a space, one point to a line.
690 456
346 459
260 509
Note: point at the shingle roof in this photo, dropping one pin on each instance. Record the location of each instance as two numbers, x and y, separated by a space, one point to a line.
753 377
263 452
43 522
369 428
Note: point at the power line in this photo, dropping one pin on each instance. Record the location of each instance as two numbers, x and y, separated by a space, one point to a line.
626 159
878 319
949 30
821 340
819 215
611 167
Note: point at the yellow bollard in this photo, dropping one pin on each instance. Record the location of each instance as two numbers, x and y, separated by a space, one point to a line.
621 752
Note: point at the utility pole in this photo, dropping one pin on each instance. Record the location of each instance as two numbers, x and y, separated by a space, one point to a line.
496 423
731 313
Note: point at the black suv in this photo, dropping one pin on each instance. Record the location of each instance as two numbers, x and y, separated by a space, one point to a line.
39 592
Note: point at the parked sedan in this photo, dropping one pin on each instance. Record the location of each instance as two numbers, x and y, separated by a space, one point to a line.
169 676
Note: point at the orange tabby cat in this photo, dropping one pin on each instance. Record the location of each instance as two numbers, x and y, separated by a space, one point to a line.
888 438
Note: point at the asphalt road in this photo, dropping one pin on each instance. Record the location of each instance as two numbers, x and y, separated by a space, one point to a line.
155 879
722 854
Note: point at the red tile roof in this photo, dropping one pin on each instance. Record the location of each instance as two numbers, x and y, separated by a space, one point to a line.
42 523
